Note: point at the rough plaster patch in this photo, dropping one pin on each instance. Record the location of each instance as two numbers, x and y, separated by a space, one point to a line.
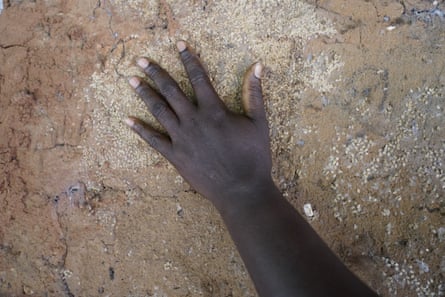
231 36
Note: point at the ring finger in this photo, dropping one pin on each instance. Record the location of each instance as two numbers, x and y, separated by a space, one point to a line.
156 104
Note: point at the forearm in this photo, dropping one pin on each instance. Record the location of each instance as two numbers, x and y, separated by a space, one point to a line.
226 157
283 254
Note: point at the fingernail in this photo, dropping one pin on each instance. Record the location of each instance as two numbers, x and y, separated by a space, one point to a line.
258 71
129 122
134 82
143 63
181 45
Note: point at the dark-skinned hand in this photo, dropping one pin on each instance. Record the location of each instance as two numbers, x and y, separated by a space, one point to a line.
214 149
226 157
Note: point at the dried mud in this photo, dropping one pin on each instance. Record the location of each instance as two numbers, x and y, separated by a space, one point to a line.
355 99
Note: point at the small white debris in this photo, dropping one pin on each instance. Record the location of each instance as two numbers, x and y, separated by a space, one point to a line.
179 180
423 267
388 228
66 274
324 100
26 290
308 210
441 234
179 210
390 28
168 265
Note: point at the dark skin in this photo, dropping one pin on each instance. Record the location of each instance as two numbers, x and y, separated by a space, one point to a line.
226 157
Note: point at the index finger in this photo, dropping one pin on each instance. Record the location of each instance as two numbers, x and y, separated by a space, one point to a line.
206 95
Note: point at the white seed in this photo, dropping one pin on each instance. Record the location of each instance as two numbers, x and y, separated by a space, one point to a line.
308 211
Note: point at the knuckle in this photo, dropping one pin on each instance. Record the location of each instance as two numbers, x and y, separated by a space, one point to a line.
256 93
197 76
219 115
154 71
159 109
187 58
255 89
143 91
168 90
196 72
254 86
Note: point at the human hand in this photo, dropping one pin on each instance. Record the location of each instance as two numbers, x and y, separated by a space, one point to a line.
221 154
226 157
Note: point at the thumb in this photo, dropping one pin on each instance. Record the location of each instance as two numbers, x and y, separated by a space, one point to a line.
252 97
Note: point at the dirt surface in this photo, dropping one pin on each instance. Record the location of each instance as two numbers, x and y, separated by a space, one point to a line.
355 98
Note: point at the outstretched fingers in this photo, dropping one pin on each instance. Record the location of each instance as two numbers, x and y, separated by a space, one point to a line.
252 97
167 86
155 139
206 95
157 105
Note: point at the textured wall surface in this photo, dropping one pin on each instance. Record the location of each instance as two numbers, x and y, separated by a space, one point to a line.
354 93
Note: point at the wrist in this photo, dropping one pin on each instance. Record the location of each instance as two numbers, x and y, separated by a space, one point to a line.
238 201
